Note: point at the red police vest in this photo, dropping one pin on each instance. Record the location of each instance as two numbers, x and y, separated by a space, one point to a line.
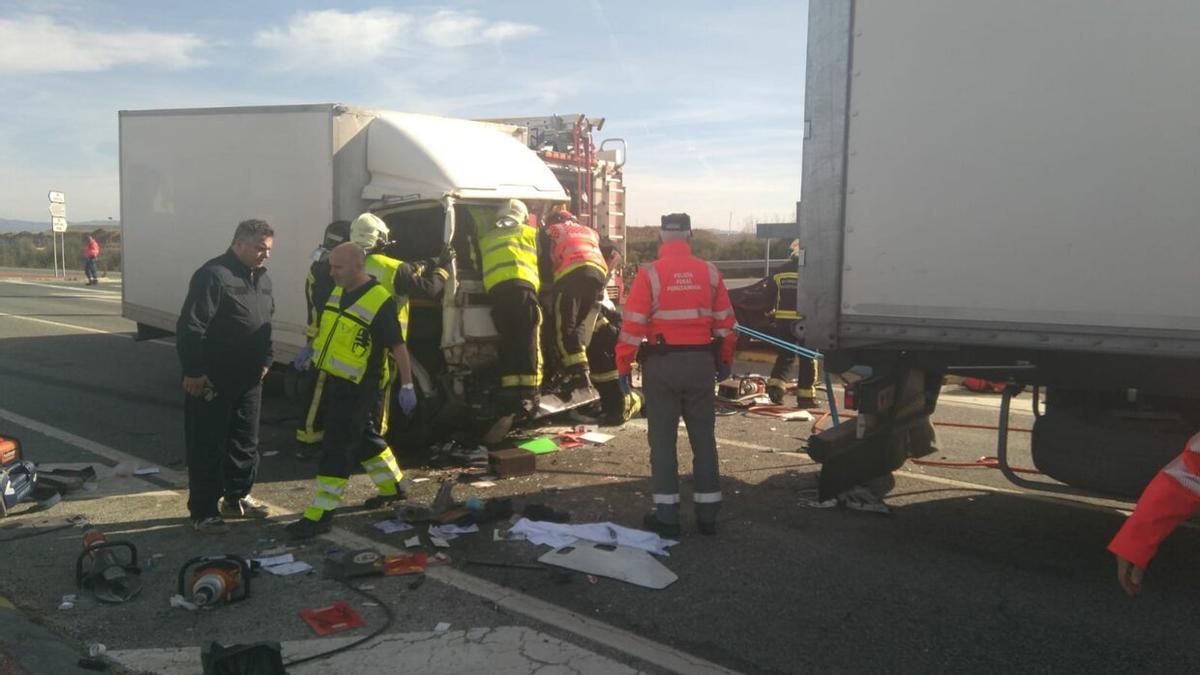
680 298
575 245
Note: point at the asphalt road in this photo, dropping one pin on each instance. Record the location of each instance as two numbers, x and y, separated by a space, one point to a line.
966 574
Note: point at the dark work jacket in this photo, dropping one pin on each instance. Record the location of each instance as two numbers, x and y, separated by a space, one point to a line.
224 328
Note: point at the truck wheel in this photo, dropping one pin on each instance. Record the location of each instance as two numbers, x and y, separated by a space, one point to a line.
1107 454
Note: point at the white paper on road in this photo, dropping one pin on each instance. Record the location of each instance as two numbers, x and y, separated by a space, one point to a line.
286 569
623 563
596 437
392 526
147 471
451 531
559 535
412 541
275 560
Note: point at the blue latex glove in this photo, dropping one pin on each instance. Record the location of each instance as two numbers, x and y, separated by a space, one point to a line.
723 372
626 383
407 396
304 359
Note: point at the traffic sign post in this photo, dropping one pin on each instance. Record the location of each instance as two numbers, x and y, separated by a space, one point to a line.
58 226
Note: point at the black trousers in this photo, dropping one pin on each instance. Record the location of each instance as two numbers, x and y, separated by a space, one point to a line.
784 359
352 413
602 360
518 319
221 437
575 305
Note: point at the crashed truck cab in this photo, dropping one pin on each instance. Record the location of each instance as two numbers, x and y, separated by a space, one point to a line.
431 179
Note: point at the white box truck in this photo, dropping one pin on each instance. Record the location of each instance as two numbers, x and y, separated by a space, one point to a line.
1009 190
188 176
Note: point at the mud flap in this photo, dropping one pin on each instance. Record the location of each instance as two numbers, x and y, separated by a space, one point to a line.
847 461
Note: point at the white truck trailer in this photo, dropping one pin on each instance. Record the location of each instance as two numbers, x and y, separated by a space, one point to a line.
1009 190
188 176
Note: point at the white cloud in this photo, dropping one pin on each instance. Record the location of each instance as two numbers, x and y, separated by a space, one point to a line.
40 44
448 28
336 38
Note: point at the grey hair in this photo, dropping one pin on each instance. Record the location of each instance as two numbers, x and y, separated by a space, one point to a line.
672 235
252 229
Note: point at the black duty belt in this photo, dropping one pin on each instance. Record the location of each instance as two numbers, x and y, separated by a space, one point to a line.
647 349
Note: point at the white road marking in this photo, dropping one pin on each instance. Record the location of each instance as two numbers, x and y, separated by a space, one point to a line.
632 644
84 443
97 292
85 329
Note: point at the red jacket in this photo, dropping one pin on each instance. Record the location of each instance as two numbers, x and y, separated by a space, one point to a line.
92 249
575 245
1168 500
680 297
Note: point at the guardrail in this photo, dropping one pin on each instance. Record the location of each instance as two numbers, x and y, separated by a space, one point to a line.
759 267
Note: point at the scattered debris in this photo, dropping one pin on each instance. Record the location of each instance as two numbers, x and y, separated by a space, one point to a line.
512 462
179 601
483 484
269 453
336 617
439 542
596 437
68 602
402 564
412 541
442 627
420 480
146 471
623 563
451 531
860 498
559 535
288 569
97 649
540 445
271 561
392 526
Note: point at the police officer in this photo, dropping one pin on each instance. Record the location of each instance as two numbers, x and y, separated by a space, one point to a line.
224 344
579 273
508 246
679 305
782 285
359 327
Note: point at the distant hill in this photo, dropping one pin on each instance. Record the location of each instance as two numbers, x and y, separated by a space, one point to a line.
9 225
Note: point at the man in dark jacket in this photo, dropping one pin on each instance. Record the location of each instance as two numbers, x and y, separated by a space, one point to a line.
224 344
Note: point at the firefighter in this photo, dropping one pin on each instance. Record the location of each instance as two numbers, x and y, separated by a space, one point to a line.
782 284
1171 498
616 406
579 272
679 305
359 327
317 287
508 245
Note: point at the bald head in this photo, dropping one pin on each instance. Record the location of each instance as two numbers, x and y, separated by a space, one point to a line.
347 265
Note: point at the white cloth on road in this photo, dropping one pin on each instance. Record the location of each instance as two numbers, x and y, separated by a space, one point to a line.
559 535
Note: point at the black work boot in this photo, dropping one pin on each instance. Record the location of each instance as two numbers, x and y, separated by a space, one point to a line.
307 529
652 523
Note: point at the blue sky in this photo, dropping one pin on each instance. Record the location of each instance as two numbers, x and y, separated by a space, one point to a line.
708 95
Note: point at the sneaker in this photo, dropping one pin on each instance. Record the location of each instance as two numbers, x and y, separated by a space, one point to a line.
652 523
307 529
246 507
210 525
706 527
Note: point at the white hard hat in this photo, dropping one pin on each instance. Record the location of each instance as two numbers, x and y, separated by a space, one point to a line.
511 213
368 230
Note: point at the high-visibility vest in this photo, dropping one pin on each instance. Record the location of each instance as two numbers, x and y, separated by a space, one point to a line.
343 341
575 246
509 253
384 269
680 298
785 295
